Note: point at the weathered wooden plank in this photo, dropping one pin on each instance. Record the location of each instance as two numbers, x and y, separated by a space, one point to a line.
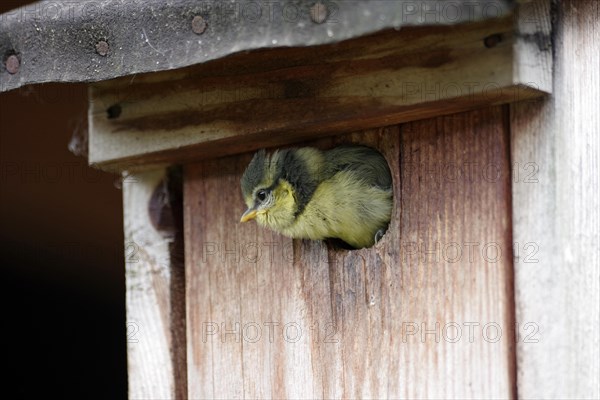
533 45
556 151
456 191
246 100
269 317
156 356
175 34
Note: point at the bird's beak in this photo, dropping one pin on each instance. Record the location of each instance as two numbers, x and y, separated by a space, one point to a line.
248 215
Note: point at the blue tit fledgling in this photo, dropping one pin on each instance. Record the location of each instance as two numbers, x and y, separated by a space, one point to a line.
304 193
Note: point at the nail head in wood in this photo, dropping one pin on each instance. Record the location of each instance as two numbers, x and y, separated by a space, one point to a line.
114 111
318 13
198 25
102 48
13 64
492 40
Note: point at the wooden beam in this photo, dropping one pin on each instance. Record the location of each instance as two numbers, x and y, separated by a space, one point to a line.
533 44
155 283
426 313
555 148
275 96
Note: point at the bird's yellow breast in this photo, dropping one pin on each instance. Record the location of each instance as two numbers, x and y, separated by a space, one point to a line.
343 207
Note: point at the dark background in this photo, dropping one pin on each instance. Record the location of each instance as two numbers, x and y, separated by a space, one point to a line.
63 282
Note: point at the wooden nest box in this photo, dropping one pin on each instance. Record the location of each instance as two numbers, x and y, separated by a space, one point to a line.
180 97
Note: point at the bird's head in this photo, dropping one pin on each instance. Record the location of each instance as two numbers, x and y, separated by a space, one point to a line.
269 196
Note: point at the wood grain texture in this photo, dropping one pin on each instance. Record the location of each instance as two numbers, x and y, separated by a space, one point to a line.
248 100
555 146
416 316
155 291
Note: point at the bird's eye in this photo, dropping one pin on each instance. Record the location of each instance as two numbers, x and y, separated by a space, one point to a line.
261 195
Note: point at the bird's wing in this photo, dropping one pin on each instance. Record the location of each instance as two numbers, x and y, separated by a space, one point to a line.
368 163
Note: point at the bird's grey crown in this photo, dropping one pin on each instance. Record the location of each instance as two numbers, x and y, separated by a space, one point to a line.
255 173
